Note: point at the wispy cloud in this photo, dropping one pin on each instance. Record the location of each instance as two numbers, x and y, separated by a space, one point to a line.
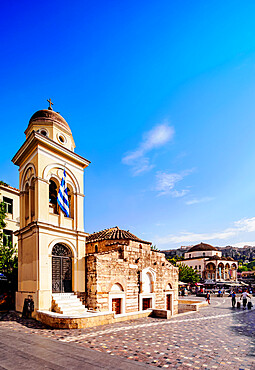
246 225
153 139
165 183
240 244
200 200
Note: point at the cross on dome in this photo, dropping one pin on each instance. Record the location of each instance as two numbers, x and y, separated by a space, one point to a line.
50 103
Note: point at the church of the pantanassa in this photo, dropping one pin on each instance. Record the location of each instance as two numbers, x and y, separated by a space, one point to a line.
63 268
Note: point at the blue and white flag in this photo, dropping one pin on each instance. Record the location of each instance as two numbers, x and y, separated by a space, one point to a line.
63 196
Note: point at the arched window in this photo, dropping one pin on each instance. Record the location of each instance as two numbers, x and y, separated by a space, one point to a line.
26 203
147 285
117 288
32 194
53 194
70 202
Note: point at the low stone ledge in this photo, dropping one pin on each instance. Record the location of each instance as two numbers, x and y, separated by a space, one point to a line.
59 321
185 305
162 314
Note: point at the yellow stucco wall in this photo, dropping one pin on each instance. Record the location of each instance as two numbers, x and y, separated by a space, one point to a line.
41 160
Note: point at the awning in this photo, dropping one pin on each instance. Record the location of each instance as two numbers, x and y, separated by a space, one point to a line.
181 283
209 282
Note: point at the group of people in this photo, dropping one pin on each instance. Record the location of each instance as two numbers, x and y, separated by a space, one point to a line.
244 296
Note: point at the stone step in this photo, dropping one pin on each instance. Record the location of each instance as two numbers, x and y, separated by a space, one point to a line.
70 309
69 303
63 295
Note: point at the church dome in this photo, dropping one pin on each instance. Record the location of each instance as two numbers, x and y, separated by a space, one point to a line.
50 115
202 247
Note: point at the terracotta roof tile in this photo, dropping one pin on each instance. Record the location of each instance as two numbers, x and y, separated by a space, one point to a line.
8 186
113 233
202 247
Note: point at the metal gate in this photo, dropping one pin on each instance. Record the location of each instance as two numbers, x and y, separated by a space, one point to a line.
61 269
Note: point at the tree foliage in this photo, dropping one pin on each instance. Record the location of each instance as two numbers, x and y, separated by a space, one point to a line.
175 259
188 274
247 266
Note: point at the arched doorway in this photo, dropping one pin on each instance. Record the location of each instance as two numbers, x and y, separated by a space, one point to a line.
61 269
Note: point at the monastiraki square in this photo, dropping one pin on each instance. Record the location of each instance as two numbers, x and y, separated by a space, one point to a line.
109 291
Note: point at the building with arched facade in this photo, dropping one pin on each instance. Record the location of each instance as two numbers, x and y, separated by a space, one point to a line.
209 263
113 271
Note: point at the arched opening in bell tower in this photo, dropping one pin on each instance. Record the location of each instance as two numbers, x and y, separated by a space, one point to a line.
53 195
61 269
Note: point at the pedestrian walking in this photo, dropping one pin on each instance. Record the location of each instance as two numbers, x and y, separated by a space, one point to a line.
244 296
233 297
208 297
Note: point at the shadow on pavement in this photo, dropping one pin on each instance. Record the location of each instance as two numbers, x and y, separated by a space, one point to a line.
245 327
29 323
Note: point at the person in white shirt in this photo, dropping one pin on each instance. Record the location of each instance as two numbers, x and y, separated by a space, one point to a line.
244 295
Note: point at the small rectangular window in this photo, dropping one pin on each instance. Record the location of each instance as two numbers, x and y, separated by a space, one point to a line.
195 267
7 237
8 204
199 267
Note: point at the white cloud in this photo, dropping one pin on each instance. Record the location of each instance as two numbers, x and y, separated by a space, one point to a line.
155 138
165 183
246 225
200 200
240 244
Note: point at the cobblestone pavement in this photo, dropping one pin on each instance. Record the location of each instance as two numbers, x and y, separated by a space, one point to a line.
216 337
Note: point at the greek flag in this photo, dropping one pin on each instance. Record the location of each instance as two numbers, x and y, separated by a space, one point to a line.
63 196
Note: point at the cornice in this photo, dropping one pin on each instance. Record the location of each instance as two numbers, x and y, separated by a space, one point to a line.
35 138
46 226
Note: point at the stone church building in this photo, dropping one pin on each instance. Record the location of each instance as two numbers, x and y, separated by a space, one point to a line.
109 271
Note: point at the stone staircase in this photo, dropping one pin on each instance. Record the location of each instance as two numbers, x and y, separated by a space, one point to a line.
68 304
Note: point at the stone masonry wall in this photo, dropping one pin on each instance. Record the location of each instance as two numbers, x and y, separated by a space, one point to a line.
123 264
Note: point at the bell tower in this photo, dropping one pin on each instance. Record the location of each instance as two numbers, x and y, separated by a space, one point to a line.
51 246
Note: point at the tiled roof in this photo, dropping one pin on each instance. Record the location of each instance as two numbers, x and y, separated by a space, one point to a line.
202 247
113 233
8 186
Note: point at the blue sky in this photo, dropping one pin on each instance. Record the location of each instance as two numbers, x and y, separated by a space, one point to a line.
160 98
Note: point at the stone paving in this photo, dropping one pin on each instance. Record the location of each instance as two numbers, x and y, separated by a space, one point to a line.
216 337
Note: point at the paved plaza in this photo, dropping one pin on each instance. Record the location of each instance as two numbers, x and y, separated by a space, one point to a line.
216 337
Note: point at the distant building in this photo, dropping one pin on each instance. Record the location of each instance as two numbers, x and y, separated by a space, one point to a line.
209 263
244 253
248 277
10 196
179 252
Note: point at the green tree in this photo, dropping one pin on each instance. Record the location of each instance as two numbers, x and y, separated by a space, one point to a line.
251 265
242 268
188 274
175 259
